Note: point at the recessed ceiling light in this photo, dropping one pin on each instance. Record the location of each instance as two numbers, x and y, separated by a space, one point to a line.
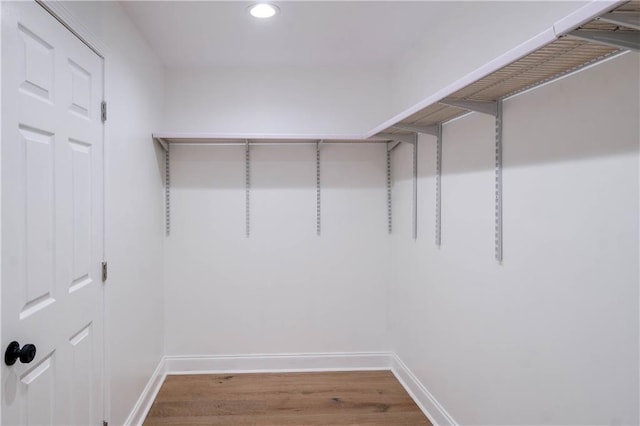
263 10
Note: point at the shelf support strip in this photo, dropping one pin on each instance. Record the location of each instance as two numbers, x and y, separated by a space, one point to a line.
498 184
247 189
167 189
318 223
439 184
415 187
389 194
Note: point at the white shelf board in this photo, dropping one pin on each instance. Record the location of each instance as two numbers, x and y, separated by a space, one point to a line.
165 138
213 137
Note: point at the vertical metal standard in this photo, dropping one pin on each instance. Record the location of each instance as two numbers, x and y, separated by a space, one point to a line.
247 187
492 108
389 200
439 185
498 186
415 186
167 190
318 188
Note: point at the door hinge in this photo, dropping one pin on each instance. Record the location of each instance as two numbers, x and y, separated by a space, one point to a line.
104 271
103 111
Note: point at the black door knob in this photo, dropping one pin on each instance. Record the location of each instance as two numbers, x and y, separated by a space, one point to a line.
13 352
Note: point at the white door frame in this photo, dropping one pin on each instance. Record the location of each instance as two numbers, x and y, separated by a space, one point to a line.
57 9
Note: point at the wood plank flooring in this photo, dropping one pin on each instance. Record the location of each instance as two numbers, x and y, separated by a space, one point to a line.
328 398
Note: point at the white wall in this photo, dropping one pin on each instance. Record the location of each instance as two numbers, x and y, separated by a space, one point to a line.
283 290
135 207
276 100
342 101
478 29
550 336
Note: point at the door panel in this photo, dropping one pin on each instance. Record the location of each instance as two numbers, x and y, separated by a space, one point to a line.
81 205
52 220
80 90
82 395
36 57
37 208
37 392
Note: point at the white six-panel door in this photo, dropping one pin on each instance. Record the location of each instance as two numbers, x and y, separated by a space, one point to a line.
52 220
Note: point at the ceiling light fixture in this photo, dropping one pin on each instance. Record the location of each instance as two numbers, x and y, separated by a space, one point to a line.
263 10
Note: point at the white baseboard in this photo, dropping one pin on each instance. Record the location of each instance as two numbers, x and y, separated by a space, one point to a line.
237 364
278 363
144 403
425 400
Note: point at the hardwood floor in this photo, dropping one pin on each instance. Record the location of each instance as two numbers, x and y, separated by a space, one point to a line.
332 398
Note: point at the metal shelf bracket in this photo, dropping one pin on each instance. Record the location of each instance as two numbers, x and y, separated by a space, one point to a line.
493 108
165 145
484 107
619 39
627 19
406 138
427 130
394 141
433 130
392 145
